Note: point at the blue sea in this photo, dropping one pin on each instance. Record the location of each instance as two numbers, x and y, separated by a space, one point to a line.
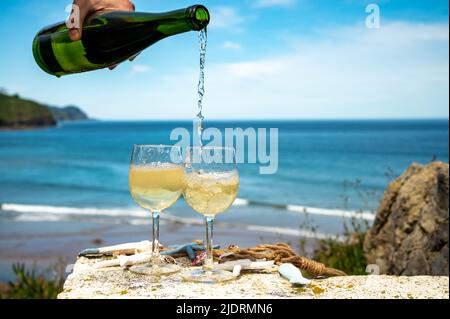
330 169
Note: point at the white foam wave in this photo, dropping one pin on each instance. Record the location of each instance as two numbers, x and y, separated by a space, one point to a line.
293 232
141 213
330 212
240 202
132 212
39 218
310 210
60 210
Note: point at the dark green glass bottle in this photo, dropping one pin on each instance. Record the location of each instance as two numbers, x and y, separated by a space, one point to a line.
111 38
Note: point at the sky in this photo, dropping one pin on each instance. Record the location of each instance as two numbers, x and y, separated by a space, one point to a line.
266 59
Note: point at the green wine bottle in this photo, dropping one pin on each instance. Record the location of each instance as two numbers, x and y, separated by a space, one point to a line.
111 38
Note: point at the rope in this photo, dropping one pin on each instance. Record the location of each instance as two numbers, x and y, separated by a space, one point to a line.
280 253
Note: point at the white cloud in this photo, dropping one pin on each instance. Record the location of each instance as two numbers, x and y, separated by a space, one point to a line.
273 3
140 68
225 17
253 69
230 45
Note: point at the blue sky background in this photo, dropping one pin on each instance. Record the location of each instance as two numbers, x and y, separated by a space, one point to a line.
267 59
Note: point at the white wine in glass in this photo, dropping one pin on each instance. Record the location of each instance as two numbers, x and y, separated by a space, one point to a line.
211 186
211 193
156 181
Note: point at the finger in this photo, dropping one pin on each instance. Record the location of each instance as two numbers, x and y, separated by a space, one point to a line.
125 6
131 59
82 11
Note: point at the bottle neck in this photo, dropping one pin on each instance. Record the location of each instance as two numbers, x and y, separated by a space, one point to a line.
198 16
193 18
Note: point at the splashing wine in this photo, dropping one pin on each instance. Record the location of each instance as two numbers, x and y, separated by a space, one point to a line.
203 40
211 193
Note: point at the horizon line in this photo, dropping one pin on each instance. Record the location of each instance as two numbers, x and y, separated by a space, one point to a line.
273 120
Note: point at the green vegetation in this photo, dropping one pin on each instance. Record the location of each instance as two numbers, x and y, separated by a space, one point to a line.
31 285
17 113
347 256
345 252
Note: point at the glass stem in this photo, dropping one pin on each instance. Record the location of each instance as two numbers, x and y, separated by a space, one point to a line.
155 244
209 261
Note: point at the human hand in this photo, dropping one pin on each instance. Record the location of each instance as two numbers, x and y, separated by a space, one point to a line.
93 7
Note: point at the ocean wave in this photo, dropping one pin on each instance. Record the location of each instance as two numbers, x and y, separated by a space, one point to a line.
37 213
60 210
59 186
141 213
138 217
309 210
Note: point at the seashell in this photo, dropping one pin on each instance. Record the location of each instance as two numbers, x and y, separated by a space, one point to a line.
124 261
229 265
141 258
128 248
246 264
199 259
237 270
293 274
106 263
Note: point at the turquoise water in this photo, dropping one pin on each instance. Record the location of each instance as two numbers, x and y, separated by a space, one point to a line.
85 165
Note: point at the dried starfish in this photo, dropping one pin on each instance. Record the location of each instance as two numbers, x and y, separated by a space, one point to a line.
188 249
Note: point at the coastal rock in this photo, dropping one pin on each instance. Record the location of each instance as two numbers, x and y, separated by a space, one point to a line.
68 113
410 232
117 283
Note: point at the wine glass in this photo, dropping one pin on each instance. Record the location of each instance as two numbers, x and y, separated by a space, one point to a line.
211 186
156 182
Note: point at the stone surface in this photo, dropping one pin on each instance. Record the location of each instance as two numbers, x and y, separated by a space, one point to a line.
87 283
410 232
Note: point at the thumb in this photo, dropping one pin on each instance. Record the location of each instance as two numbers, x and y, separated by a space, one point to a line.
76 21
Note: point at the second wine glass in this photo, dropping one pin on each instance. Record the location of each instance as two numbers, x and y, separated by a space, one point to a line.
211 186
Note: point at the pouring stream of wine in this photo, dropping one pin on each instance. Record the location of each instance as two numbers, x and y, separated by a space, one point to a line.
203 39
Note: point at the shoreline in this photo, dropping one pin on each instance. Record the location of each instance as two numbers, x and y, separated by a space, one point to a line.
58 124
246 215
26 128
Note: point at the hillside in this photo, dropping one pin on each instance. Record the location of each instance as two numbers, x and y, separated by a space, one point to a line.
18 113
68 113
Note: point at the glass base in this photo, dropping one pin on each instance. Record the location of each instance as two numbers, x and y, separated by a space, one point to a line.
155 269
208 276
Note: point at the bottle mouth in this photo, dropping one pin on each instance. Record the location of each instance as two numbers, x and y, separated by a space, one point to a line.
200 16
